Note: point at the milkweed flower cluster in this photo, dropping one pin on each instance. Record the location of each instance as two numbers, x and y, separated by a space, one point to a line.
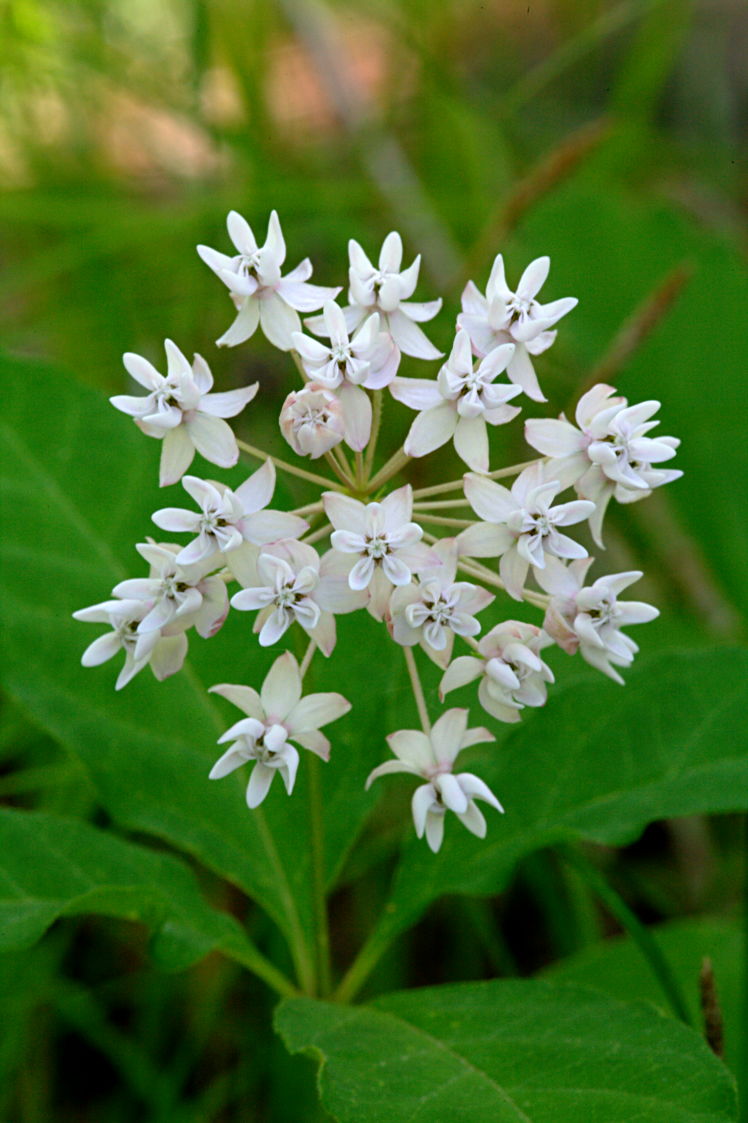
368 541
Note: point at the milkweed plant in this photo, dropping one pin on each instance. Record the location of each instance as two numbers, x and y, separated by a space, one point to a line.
437 567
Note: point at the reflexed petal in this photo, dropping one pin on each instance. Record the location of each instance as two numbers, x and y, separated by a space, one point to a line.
281 689
315 742
474 820
304 297
447 734
484 540
229 403
270 526
417 393
177 452
397 508
413 747
521 372
244 697
244 326
168 656
218 262
553 438
465 669
387 769
259 784
316 710
409 337
278 321
420 311
430 430
356 416
257 491
213 439
513 571
421 803
345 513
471 442
489 500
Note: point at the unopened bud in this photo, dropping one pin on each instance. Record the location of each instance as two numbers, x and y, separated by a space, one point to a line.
311 420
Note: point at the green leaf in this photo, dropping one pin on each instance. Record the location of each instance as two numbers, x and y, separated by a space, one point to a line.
52 867
516 1050
618 968
599 762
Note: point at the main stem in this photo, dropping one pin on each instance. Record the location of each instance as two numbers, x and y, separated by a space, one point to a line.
415 682
317 831
320 481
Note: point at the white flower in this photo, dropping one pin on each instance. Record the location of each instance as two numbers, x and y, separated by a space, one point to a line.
369 359
589 619
511 671
312 420
433 612
228 518
382 545
164 653
260 294
520 525
459 403
609 453
178 596
432 757
387 290
275 716
180 410
503 316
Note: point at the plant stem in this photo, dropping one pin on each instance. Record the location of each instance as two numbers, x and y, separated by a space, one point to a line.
440 504
251 958
320 481
513 469
315 536
308 655
641 935
310 509
398 460
339 471
376 421
437 489
415 682
456 485
440 520
360 472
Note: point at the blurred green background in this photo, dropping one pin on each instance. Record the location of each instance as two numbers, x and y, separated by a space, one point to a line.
611 136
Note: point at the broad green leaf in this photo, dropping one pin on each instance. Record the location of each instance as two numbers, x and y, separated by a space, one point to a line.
618 968
80 480
599 762
514 1051
52 867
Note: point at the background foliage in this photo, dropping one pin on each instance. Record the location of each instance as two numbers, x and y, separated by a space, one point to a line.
605 134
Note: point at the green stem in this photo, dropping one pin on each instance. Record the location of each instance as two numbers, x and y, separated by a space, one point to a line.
321 923
320 481
397 461
441 520
628 920
376 421
253 959
743 1062
415 682
361 968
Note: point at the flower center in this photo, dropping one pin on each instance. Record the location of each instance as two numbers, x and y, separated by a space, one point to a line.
377 545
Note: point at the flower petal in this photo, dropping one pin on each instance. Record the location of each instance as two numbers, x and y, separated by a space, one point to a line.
177 452
316 710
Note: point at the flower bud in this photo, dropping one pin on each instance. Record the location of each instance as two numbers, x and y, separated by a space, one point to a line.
311 420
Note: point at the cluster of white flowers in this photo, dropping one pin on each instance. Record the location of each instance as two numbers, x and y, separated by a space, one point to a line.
380 554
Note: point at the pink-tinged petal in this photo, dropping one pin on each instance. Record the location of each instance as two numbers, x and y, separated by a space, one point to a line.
409 337
247 699
361 574
102 649
412 747
345 513
513 571
213 438
228 403
200 549
484 540
168 656
553 438
521 372
259 784
304 297
214 609
430 430
281 689
465 669
242 563
533 278
421 311
417 393
356 406
489 500
177 452
347 542
397 508
175 519
314 711
278 321
324 633
387 769
395 570
270 526
315 742
471 442
447 735
244 326
380 590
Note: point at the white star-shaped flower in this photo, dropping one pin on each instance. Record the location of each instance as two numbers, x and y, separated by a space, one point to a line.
438 608
165 654
180 410
503 316
260 293
275 717
459 403
512 674
588 619
381 545
227 518
387 290
432 756
520 525
608 452
178 596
